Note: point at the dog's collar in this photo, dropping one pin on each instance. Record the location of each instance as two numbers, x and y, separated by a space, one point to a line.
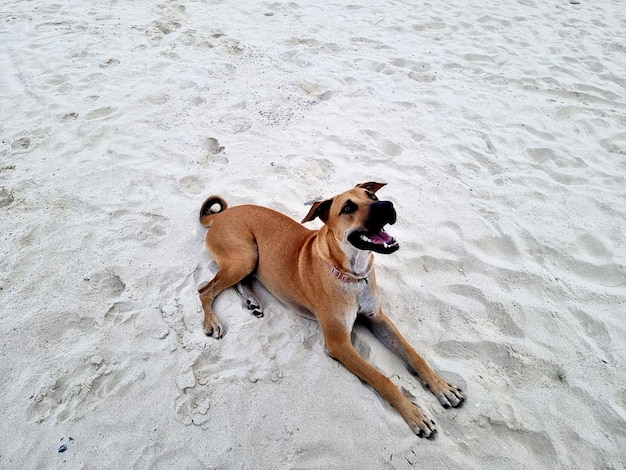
345 277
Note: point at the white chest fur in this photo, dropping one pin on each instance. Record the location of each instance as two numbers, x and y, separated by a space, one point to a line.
367 301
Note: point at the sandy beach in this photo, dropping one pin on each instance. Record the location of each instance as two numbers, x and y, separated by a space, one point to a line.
500 128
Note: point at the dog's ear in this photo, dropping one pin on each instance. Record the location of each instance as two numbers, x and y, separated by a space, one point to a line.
319 209
372 186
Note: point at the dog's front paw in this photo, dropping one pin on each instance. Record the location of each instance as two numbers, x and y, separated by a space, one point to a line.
419 423
213 329
448 395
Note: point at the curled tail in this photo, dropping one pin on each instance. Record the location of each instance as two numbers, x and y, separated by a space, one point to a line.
206 211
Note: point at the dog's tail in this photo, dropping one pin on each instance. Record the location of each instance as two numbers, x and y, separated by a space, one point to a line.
207 210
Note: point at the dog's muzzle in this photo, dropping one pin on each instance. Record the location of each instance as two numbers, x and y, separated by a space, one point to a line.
372 236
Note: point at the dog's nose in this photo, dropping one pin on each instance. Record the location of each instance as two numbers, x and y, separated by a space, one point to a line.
382 212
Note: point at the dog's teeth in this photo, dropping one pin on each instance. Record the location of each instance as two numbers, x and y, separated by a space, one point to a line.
364 238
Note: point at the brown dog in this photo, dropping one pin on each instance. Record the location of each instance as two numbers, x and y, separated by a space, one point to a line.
327 272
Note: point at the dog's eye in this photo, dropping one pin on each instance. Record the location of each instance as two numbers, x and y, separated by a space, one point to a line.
349 207
373 197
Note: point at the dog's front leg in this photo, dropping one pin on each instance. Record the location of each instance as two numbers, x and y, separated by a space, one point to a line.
337 338
384 329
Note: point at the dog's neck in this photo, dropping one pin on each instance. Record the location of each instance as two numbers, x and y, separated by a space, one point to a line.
351 276
356 263
344 257
360 263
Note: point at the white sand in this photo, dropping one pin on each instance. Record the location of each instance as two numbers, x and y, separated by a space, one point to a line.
501 130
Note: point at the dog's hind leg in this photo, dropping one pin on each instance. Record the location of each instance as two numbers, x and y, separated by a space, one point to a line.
230 273
245 290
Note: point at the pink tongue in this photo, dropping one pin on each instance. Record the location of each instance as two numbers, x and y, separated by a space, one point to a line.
380 238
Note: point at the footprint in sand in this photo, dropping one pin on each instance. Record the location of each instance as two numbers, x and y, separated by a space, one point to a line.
490 313
385 146
170 21
540 155
109 63
100 113
157 98
106 283
592 248
593 330
21 144
215 152
6 197
194 383
318 91
192 184
71 394
516 367
120 313
148 226
69 116
213 146
615 144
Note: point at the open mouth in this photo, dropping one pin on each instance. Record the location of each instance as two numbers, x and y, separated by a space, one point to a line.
375 240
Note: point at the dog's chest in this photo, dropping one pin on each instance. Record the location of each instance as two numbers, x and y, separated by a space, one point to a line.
367 302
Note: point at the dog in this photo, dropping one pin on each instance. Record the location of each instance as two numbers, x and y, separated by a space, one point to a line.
329 273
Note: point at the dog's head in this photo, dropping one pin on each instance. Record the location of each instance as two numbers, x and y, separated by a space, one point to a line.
358 217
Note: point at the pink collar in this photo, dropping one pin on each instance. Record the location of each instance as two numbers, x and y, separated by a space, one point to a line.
345 277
